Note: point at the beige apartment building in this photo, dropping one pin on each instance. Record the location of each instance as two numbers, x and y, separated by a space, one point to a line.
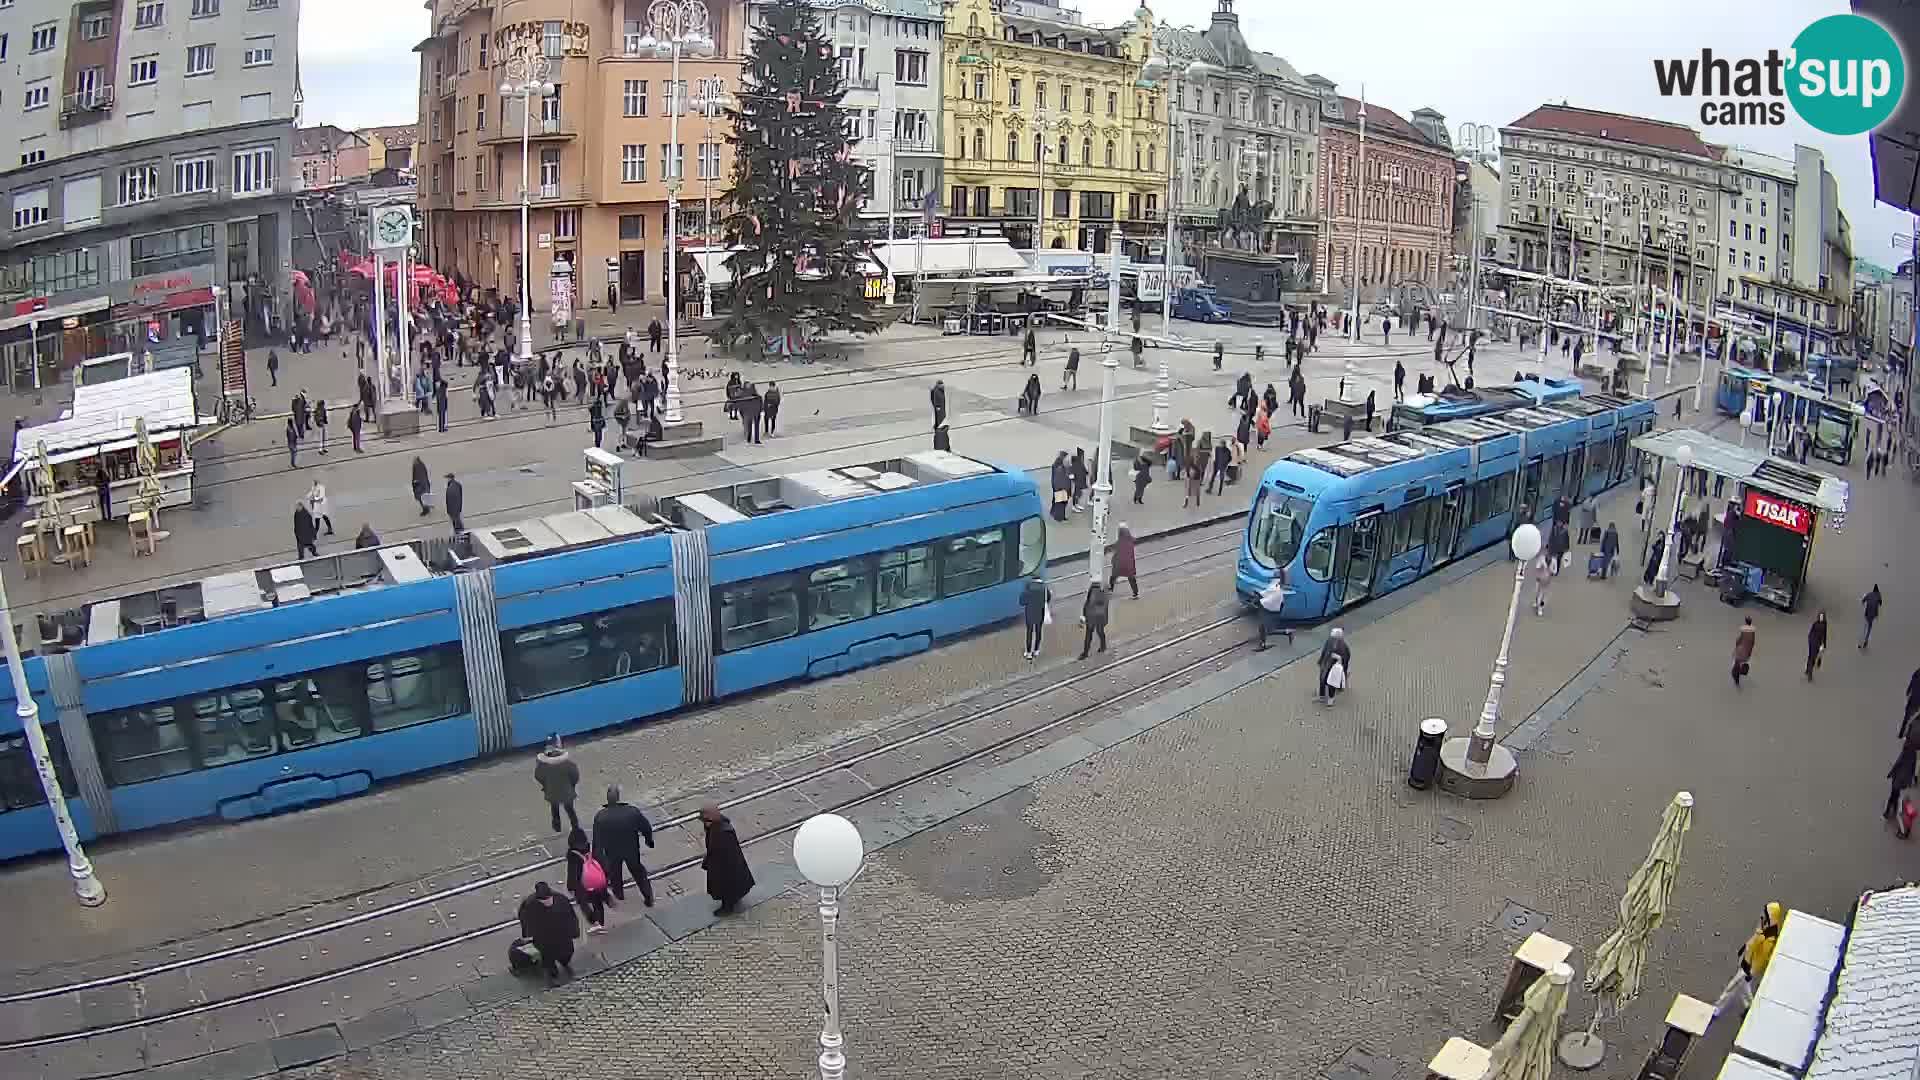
598 150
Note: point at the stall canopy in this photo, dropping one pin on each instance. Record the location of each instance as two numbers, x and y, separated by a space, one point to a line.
105 413
956 255
712 263
1754 467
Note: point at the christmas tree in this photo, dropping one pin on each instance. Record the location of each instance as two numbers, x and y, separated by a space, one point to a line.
796 187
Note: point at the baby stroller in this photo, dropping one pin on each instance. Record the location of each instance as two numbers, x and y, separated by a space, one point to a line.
523 957
1596 566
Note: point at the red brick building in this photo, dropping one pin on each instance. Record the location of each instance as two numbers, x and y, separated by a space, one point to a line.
1405 220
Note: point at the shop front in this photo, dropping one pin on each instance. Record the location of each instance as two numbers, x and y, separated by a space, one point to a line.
60 338
1768 546
169 316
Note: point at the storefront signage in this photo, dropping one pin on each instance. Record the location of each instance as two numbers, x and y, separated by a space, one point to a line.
573 36
1788 515
162 284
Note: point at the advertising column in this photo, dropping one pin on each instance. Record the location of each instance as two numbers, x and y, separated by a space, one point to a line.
560 297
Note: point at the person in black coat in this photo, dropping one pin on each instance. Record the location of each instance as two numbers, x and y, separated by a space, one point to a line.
617 831
422 485
1816 642
306 533
654 333
729 879
938 397
1033 612
1901 776
593 902
547 917
1061 486
456 503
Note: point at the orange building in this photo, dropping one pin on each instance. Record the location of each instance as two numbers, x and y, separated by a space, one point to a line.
597 150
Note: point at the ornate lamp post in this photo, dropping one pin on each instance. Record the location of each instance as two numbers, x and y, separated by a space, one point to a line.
673 27
1163 68
710 97
1476 766
829 852
526 79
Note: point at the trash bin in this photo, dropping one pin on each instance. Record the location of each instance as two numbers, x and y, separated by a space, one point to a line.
1426 753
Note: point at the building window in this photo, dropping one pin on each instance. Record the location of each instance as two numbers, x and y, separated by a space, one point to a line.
36 97
95 27
1113 103
259 52
566 224
1110 153
192 176
44 37
979 86
139 184
30 209
143 70
910 68
252 171
709 161
979 144
632 227
1013 146
1013 93
1763 264
633 97
199 59
633 163
550 173
479 112
1763 234
479 172
551 40
147 14
176 249
205 8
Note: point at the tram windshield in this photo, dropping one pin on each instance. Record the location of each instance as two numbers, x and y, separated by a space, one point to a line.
1278 528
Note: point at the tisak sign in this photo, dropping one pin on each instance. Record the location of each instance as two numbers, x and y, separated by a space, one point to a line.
1788 515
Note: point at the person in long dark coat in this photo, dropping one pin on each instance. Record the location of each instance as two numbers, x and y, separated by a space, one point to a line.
1743 644
549 919
938 398
729 879
1061 486
1654 555
306 532
456 503
1124 563
422 485
1077 475
618 829
1094 613
1901 776
1816 642
1335 650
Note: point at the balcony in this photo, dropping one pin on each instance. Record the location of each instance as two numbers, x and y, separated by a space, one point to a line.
444 88
561 194
864 82
83 106
541 130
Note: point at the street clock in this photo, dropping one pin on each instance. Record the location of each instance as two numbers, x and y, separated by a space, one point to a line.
393 227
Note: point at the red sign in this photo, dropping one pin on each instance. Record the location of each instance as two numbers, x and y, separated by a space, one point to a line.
1788 515
162 284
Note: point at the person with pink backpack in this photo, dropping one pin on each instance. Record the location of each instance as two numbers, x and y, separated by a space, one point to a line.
587 881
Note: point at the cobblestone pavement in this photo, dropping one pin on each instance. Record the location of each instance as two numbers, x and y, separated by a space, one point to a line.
1250 890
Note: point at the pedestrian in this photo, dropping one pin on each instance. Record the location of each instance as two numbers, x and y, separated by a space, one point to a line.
355 421
547 918
1219 354
623 416
1061 484
319 507
618 829
1029 403
1077 474
440 402
103 491
579 381
1816 642
306 534
750 414
1609 550
1297 387
1559 543
559 779
1386 329
1029 349
1070 378
938 396
1124 564
654 334
1901 776
1035 612
1273 599
1336 665
1197 461
320 422
273 368
770 407
729 879
587 880
422 486
1371 406
1869 610
1654 556
300 413
1142 476
1743 643
1093 613
1542 581
1217 479
1399 381
1754 956
456 503
293 444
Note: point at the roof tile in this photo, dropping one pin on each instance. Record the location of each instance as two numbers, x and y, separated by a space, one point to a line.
1638 130
1872 1028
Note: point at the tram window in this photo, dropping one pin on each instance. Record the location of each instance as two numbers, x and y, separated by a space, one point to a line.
143 743
1419 515
906 577
839 593
1399 522
1279 525
1552 480
971 562
320 707
1033 546
588 649
20 781
759 611
1601 455
413 688
231 725
1319 557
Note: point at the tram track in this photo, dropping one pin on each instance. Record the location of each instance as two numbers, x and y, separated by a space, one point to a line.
785 781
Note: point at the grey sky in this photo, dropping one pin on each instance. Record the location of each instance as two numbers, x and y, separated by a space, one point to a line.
1489 64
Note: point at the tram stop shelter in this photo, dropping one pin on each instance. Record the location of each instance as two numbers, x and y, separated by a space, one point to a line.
1769 521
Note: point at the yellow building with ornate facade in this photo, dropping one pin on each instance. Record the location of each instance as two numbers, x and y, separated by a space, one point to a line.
1050 131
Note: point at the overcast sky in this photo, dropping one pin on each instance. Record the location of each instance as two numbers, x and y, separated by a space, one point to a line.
1488 64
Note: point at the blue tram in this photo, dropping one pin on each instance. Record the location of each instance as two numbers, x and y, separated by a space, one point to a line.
189 713
1735 384
1363 518
1456 403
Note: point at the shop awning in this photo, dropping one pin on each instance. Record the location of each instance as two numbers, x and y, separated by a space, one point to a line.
105 413
185 299
956 255
49 315
1751 466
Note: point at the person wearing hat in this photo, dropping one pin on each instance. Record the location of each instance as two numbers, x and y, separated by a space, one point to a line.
456 502
1754 957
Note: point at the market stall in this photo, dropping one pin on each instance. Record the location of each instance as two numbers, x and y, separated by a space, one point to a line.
104 431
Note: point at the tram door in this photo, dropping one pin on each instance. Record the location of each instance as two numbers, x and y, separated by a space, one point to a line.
1355 559
1619 462
1577 474
1530 492
1446 531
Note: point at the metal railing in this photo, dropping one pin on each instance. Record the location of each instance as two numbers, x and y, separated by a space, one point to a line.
94 99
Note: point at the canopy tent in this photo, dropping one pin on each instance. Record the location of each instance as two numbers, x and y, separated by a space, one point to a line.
711 262
952 255
106 413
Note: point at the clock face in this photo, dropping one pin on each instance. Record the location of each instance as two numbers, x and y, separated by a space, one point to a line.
393 228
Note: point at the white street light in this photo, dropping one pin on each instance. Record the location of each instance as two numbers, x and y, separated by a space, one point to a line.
85 886
526 79
1162 69
829 852
1526 545
710 97
673 27
1682 457
1102 466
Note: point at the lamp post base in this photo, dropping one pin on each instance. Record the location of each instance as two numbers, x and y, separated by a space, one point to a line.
1654 604
1582 1050
1469 779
